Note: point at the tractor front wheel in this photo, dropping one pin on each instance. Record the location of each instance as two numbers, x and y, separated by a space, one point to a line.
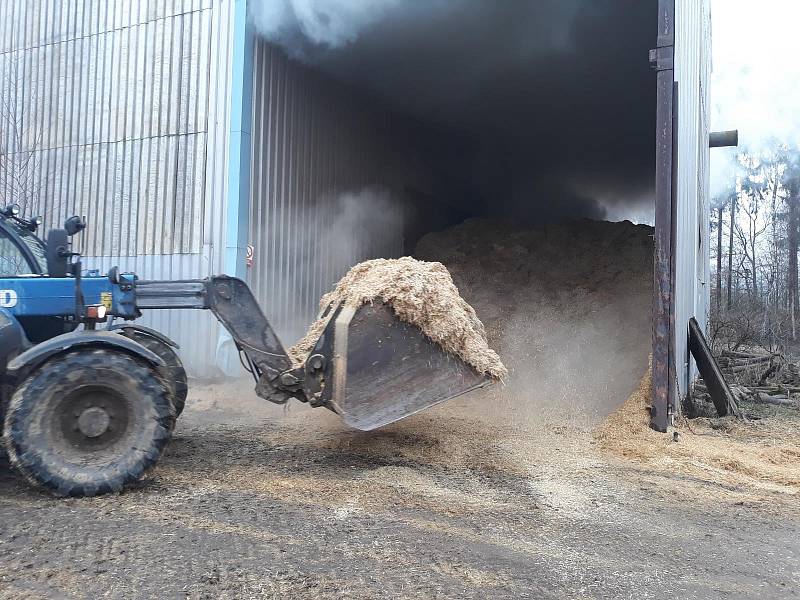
88 422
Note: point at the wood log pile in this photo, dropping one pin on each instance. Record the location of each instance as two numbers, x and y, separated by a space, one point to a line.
757 376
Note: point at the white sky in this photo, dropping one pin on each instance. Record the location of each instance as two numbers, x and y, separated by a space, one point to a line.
755 84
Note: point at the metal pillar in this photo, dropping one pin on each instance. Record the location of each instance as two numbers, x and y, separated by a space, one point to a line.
662 58
237 209
237 213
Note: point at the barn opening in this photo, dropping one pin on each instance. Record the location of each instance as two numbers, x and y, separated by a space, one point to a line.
368 136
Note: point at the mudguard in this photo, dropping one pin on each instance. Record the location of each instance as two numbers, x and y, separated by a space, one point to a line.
23 364
151 332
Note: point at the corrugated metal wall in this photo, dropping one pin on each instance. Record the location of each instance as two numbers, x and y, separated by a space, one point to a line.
328 174
691 248
114 110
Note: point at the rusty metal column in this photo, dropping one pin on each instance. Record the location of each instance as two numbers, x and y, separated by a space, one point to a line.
663 301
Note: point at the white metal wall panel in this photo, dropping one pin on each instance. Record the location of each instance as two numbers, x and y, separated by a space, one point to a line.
692 72
320 154
117 110
113 118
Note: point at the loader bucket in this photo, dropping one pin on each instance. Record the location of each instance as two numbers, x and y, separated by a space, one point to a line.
385 369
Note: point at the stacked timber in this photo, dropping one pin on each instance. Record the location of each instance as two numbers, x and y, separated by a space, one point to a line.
757 376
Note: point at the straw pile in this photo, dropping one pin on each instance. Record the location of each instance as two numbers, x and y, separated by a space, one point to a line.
762 454
567 307
421 293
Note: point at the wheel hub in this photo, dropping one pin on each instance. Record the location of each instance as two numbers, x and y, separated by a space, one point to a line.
94 422
92 417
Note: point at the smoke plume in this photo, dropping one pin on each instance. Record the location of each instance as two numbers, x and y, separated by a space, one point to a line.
297 24
556 94
338 242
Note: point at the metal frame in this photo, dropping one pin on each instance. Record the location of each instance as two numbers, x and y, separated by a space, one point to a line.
663 369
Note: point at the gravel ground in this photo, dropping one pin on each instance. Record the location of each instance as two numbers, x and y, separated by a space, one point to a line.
252 501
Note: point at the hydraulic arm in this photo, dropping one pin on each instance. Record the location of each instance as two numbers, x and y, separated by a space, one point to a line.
234 305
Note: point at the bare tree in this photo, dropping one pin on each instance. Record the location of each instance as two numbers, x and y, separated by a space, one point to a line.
792 184
20 139
731 230
718 293
763 237
751 225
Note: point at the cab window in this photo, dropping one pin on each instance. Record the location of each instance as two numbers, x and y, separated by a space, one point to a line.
12 260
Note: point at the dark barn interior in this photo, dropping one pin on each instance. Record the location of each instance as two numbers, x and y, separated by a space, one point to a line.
535 111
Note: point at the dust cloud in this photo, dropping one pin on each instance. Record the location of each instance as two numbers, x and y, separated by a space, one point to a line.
567 307
334 233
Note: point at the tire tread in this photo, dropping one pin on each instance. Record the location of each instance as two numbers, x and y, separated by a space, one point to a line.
54 372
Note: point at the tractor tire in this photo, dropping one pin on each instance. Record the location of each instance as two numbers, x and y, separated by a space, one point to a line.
176 374
88 422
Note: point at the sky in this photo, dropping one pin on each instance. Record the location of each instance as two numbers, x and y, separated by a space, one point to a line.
755 81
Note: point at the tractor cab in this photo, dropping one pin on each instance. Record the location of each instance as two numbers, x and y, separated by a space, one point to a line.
22 252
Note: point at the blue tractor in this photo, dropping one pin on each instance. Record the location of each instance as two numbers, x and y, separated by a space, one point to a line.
89 399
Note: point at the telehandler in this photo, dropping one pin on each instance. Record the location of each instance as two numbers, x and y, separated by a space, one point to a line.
89 399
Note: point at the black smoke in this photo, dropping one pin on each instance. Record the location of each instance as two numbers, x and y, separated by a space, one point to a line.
556 97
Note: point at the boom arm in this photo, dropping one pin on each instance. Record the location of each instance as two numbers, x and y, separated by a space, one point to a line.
234 305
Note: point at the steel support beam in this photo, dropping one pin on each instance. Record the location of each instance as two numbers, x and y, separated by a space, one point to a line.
662 57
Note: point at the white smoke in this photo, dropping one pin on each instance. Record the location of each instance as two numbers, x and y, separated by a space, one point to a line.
328 23
349 227
305 29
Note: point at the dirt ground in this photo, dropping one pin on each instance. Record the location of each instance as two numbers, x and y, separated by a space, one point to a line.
512 491
463 501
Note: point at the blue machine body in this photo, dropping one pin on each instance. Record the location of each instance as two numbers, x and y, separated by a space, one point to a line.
41 315
38 296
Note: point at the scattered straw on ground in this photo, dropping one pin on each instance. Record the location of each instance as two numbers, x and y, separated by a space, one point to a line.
764 454
421 293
